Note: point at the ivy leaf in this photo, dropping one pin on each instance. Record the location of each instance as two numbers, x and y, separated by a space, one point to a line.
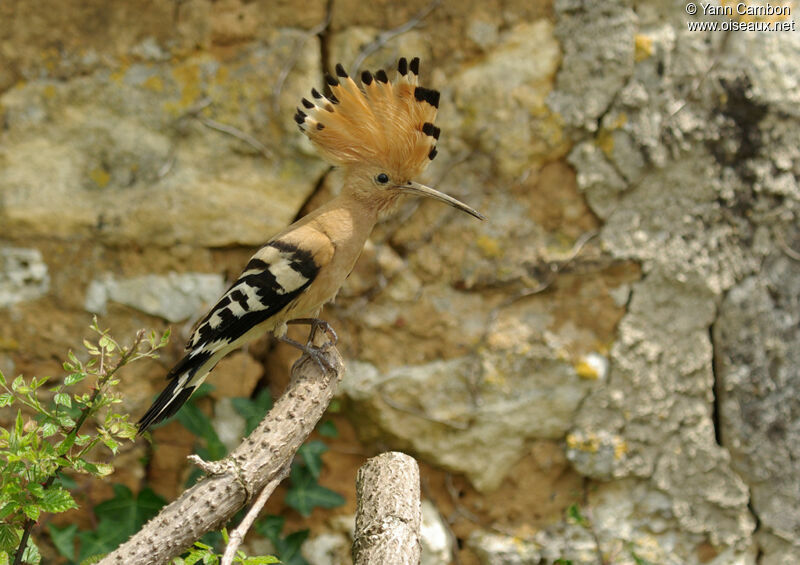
118 518
328 429
270 527
288 548
253 410
311 452
305 494
64 539
56 499
127 511
194 420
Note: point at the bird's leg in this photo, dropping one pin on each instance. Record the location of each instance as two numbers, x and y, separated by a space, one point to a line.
315 324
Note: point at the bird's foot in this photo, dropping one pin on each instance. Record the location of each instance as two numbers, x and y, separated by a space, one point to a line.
316 324
317 353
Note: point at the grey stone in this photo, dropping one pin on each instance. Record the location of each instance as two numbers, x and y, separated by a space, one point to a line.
437 544
174 297
497 549
23 275
684 144
758 387
473 410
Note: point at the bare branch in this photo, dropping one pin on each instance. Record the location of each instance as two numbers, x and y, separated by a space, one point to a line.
237 536
389 514
259 461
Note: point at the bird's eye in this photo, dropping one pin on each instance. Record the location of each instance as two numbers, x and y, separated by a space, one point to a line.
382 178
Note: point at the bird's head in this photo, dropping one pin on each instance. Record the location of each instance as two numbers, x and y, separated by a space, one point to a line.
381 134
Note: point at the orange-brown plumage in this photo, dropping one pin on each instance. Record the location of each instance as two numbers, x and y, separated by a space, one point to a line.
384 123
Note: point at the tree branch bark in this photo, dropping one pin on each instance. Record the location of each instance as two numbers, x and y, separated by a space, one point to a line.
389 513
232 482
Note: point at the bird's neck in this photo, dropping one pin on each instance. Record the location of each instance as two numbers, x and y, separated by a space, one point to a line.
346 220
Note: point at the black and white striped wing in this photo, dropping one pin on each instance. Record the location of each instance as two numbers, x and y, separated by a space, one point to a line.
275 276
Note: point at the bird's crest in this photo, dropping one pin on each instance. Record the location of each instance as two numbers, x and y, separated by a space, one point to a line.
386 123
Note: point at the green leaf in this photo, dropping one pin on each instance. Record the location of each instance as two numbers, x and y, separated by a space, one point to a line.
74 378
110 443
328 429
31 511
9 537
311 452
63 399
127 511
7 509
262 560
56 499
65 421
270 527
31 554
18 385
48 429
288 548
118 518
194 420
36 490
574 514
2 379
64 539
6 398
253 410
66 481
305 494
106 343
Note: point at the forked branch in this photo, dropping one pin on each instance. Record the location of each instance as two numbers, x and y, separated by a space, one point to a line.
237 479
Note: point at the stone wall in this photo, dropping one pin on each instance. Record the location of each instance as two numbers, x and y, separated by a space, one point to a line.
619 337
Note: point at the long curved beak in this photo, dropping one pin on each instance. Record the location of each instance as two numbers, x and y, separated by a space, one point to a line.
412 187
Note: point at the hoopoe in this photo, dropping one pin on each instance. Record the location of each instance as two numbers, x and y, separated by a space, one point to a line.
382 136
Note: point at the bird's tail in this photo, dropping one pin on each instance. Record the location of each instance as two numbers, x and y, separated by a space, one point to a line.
185 377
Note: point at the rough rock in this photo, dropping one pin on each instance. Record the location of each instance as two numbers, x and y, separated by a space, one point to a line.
136 153
757 359
456 424
698 188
